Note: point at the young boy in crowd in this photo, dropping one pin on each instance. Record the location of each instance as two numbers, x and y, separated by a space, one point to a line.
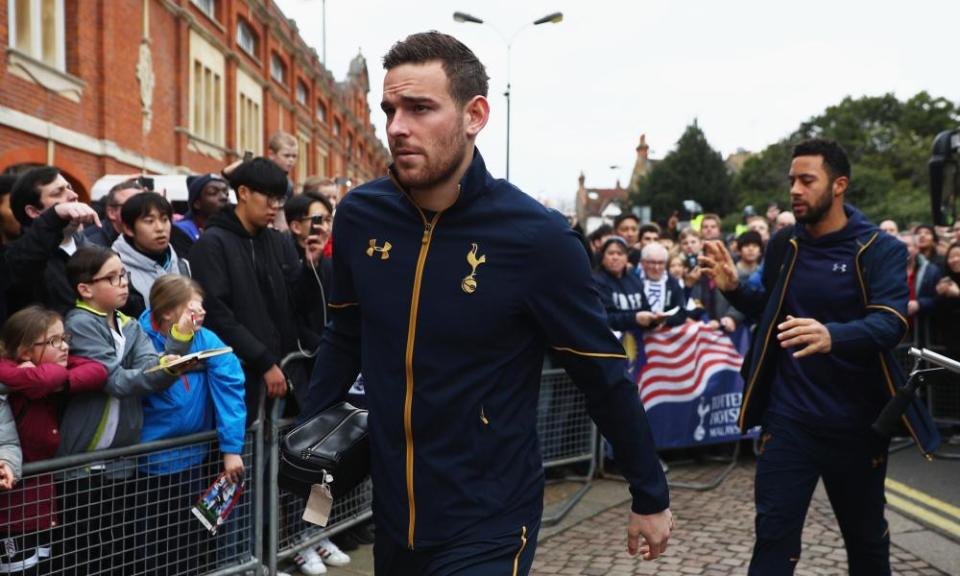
144 248
95 505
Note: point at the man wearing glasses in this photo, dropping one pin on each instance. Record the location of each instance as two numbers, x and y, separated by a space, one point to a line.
45 204
256 287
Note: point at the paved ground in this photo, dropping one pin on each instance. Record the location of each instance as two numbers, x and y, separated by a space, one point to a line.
714 535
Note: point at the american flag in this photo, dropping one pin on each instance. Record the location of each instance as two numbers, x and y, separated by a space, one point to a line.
681 360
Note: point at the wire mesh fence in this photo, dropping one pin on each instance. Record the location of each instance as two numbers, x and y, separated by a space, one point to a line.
128 511
125 514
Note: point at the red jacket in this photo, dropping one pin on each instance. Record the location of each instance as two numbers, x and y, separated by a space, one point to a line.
36 398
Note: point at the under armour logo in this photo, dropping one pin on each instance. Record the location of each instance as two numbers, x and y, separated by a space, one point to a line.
839 267
384 250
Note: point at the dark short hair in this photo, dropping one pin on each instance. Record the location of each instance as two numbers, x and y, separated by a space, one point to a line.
600 232
466 76
835 159
26 191
624 217
142 204
649 227
933 231
6 184
750 237
85 263
111 198
299 206
261 175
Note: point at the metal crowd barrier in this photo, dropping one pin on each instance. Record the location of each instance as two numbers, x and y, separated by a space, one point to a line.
567 436
112 517
113 512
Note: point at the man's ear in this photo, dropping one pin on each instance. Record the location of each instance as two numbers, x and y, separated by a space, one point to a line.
476 112
31 211
840 184
242 193
127 231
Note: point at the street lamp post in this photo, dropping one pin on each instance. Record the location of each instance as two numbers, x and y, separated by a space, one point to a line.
553 18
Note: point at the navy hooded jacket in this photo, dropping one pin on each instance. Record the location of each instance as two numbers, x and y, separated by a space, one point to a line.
450 315
863 338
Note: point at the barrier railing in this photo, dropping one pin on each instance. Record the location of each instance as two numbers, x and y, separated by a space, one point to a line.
125 511
567 436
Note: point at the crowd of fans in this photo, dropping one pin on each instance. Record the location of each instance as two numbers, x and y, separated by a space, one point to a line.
649 276
97 302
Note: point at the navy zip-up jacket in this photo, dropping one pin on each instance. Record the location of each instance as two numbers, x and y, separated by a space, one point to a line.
450 315
879 262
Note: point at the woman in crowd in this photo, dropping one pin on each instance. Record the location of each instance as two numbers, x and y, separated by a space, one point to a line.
39 372
207 398
621 292
927 243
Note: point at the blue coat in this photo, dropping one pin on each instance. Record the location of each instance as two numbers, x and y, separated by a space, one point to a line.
880 264
194 403
450 315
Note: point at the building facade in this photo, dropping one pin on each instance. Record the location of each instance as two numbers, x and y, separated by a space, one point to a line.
173 86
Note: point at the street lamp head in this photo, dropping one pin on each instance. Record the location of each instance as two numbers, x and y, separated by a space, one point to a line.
555 18
464 17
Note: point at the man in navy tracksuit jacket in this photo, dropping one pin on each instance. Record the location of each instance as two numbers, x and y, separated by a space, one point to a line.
448 288
832 306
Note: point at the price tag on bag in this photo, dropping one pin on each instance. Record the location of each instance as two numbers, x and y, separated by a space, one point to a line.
318 505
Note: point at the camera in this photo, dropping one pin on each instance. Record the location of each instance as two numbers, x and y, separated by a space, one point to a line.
146 182
691 261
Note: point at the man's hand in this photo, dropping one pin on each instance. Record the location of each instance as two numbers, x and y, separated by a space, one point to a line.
233 468
77 213
654 529
728 324
912 307
7 479
799 331
717 264
276 382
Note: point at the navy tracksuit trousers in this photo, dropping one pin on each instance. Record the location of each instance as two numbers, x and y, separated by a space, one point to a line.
853 466
503 555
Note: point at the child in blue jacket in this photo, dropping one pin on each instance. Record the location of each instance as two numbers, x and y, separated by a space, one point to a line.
211 396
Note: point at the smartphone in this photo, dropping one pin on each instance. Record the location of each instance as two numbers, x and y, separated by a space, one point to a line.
247 156
315 222
691 261
146 182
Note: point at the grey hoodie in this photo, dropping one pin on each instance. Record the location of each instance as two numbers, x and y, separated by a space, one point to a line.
113 417
9 441
144 270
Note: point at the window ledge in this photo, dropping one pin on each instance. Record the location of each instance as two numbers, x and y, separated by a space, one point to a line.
201 146
56 81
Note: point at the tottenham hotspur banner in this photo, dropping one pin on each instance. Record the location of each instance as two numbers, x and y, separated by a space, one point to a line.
689 382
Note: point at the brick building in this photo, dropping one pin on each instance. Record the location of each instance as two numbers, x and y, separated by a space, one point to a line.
172 86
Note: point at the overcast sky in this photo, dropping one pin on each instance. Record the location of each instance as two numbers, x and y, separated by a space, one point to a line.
585 89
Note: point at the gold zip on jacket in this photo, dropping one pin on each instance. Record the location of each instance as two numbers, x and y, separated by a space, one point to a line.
883 363
766 339
428 228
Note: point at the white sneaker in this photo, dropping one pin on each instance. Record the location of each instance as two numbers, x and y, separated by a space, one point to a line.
331 554
309 562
